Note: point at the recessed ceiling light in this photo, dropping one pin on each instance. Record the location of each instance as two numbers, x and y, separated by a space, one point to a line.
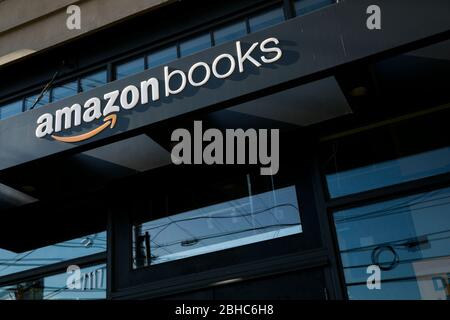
28 189
359 91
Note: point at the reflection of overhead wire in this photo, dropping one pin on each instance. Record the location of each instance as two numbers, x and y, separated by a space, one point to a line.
408 202
56 290
408 210
244 215
275 235
175 222
162 246
414 278
231 233
33 259
18 259
393 243
16 264
384 212
402 204
159 246
385 266
390 247
78 246
221 217
403 261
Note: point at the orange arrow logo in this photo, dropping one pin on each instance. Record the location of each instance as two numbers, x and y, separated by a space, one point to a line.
109 121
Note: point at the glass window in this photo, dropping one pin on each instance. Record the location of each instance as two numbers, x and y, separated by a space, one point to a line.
391 172
220 224
130 67
91 285
196 44
407 238
388 155
163 56
64 91
31 101
266 19
10 109
230 32
305 6
11 262
93 80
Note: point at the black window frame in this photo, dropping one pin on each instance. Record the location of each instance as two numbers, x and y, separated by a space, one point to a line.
364 198
303 250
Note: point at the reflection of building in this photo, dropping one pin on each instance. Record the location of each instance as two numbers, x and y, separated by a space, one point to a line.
29 290
364 150
434 278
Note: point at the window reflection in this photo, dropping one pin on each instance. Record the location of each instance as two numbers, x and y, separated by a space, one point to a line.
10 109
163 56
266 19
234 223
409 238
90 286
93 80
131 67
196 44
388 154
305 6
391 172
64 91
230 32
11 262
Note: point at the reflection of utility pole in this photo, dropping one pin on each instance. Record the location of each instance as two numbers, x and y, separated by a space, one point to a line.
147 248
139 250
142 247
33 290
447 288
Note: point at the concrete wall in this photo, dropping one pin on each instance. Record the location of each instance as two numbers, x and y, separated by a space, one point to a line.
30 26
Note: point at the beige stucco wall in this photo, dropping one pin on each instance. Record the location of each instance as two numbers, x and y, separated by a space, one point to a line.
28 26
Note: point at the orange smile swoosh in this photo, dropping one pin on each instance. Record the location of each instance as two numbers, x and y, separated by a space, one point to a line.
110 121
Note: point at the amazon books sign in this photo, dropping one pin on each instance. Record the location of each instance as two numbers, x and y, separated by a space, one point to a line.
107 107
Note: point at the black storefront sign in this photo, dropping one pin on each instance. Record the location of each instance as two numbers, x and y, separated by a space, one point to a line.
309 46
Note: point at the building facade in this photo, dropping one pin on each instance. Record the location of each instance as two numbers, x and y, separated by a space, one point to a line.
93 207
